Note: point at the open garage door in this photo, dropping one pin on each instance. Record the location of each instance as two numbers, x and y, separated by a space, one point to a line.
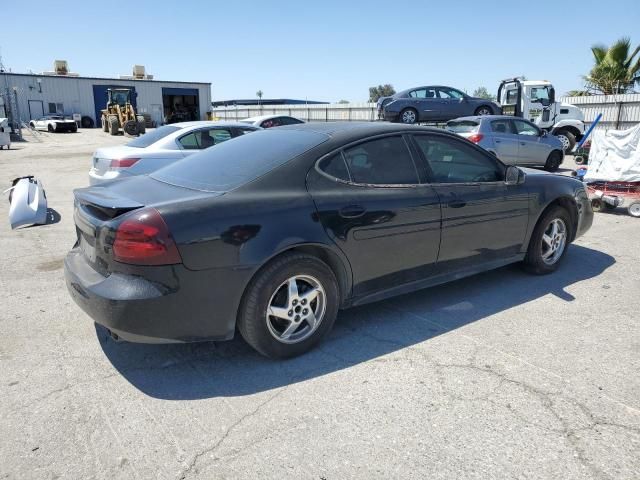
180 104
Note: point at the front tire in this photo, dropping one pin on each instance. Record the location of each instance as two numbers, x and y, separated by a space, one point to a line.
549 242
50 128
409 116
553 161
568 140
114 126
289 306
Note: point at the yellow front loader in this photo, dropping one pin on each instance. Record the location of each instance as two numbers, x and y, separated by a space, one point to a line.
120 114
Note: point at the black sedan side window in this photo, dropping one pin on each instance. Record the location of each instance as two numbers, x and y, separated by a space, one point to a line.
384 161
452 161
335 167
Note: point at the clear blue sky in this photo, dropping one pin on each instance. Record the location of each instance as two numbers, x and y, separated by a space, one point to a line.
320 50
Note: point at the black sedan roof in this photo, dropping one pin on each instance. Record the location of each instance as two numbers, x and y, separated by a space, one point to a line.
342 130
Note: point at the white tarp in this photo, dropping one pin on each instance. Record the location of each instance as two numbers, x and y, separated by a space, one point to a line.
614 156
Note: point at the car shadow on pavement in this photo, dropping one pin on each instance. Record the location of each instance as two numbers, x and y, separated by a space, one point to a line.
225 369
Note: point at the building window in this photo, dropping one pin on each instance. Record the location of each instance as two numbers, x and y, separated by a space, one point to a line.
56 108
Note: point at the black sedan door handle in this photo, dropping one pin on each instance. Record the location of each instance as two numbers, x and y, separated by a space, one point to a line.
352 211
456 204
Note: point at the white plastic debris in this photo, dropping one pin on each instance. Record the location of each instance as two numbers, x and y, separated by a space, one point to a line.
28 202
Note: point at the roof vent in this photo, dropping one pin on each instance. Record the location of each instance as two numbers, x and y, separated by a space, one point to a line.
60 67
138 72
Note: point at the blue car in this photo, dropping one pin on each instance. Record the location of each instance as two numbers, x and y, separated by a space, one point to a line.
432 104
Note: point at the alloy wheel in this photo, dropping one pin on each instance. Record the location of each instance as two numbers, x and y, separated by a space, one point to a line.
565 142
409 116
484 111
296 309
554 240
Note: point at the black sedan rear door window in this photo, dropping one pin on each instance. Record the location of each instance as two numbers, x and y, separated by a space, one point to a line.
384 161
232 164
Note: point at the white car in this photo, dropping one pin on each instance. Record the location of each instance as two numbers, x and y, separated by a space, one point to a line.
268 121
54 123
160 147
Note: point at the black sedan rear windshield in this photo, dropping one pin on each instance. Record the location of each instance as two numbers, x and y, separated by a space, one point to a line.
462 126
150 138
239 161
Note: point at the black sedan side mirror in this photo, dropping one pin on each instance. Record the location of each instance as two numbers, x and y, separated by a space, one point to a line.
513 176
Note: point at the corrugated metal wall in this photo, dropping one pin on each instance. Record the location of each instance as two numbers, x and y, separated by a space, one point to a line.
310 113
618 111
76 94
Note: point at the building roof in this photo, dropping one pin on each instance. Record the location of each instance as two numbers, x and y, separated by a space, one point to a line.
110 79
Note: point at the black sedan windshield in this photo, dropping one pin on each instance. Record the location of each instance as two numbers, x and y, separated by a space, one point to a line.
234 163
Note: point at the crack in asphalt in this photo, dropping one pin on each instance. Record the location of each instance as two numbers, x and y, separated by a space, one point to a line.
209 450
569 433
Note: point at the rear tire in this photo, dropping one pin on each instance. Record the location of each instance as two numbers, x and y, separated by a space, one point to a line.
634 209
483 110
270 291
50 129
547 246
408 116
553 161
568 140
105 124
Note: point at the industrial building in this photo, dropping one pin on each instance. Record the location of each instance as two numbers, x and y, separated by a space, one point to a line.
27 96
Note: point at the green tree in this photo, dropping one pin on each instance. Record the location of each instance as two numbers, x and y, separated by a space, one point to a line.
259 95
380 91
578 93
343 101
482 92
616 68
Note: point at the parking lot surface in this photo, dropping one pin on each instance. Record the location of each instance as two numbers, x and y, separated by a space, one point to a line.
501 375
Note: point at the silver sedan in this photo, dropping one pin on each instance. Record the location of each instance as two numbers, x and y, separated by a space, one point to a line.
514 141
161 147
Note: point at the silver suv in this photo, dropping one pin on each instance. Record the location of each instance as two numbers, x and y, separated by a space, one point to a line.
514 141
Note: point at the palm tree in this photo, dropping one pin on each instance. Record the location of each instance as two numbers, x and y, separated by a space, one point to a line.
615 69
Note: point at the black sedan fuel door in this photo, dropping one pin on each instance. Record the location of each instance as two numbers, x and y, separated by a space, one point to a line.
484 220
371 203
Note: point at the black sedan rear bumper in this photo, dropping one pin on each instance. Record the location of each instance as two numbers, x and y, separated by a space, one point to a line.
190 306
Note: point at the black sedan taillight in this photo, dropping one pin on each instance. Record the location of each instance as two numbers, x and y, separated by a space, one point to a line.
144 239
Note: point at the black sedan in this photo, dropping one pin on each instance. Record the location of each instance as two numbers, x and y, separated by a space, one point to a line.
432 104
274 232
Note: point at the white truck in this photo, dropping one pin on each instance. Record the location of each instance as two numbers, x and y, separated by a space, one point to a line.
535 100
